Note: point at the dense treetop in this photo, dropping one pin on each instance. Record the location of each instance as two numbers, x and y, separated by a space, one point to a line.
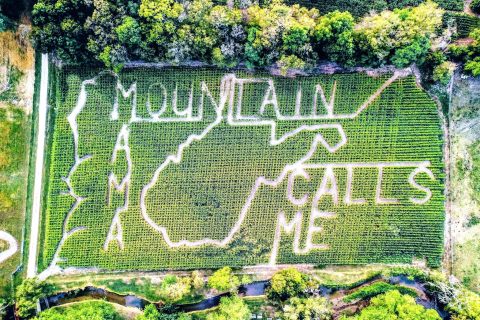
290 36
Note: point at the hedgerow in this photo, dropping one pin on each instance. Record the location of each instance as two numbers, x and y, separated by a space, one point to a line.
274 33
202 196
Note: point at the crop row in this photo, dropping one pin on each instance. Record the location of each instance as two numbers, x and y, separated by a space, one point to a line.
202 196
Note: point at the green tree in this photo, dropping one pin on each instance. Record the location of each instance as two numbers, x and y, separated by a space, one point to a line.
129 33
228 24
110 20
475 6
334 34
279 30
231 308
315 308
159 22
465 306
414 52
223 280
287 283
399 36
58 27
468 53
151 313
394 305
27 295
444 72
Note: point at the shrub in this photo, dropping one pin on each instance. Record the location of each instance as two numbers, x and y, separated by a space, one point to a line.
375 289
317 308
287 283
465 306
394 305
91 310
174 288
443 72
151 313
231 308
475 6
223 280
28 293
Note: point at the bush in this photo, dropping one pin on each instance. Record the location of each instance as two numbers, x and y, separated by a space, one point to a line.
444 72
151 313
231 308
394 305
465 306
375 289
174 289
223 280
91 310
317 308
475 6
469 54
28 293
286 284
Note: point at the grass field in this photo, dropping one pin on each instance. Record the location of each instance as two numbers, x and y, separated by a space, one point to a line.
176 189
13 148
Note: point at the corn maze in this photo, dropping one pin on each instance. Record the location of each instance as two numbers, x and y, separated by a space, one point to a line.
182 168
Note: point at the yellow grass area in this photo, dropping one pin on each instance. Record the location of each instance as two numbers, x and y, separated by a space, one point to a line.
16 49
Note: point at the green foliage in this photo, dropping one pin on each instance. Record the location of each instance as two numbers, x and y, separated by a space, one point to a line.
91 310
231 308
58 27
28 293
129 32
286 284
291 36
174 289
287 63
473 66
151 313
315 308
443 72
394 305
475 6
360 8
228 25
197 280
278 31
400 37
223 280
465 306
375 289
432 61
414 52
334 33
469 53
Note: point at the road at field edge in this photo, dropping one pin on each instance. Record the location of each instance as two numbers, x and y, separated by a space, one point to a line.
37 187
